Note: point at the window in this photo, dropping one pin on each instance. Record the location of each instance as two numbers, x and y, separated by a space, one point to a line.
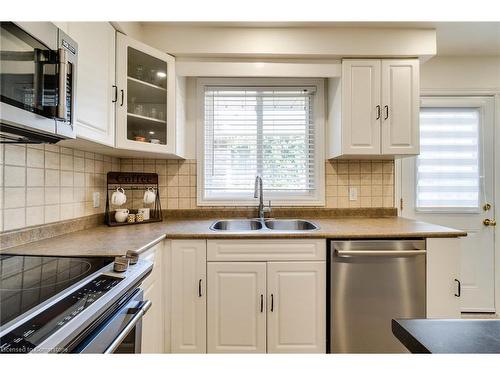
448 166
271 131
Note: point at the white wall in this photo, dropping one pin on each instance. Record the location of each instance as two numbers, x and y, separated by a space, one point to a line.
461 73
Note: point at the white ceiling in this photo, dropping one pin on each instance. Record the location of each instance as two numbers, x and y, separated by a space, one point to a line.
453 38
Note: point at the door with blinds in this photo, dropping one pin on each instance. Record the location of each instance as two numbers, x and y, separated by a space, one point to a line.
451 183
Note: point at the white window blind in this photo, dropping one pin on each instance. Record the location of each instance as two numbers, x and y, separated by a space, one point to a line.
266 131
448 174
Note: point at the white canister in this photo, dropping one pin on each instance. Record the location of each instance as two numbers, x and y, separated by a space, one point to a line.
145 212
121 215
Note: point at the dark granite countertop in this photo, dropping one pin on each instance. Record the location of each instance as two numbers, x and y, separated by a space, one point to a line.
448 335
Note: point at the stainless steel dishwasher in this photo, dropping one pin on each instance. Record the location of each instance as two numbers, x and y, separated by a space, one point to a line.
372 282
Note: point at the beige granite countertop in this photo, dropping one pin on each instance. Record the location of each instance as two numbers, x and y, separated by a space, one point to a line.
111 241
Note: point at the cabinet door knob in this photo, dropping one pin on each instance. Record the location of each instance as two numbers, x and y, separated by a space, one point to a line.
378 112
386 107
122 93
272 302
199 288
261 303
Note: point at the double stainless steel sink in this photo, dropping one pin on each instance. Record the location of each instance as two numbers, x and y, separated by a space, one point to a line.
243 225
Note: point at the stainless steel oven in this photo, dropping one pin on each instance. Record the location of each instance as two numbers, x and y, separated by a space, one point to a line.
120 332
54 304
38 65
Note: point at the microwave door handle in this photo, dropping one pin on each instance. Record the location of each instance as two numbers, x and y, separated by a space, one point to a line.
142 309
379 253
62 106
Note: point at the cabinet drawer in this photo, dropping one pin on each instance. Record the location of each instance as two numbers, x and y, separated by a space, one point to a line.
264 250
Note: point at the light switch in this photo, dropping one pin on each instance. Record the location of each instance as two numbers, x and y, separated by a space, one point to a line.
353 193
96 197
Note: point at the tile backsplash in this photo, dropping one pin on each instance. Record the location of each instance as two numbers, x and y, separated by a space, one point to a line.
47 183
374 181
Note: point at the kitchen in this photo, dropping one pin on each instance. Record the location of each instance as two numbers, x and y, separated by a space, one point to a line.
320 188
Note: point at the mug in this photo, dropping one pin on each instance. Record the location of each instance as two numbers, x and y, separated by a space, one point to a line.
144 212
121 215
118 197
149 196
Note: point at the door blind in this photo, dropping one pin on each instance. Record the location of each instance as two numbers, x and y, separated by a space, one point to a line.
266 131
448 165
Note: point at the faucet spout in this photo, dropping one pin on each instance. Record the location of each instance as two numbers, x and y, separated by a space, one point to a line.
259 193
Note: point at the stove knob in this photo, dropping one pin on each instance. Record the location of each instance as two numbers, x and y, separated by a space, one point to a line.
121 264
133 257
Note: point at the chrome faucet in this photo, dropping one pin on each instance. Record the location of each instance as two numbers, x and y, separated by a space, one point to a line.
258 193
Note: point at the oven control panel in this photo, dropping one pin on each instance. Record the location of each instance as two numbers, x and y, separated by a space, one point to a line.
32 333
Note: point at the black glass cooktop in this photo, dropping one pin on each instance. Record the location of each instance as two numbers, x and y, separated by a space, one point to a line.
26 281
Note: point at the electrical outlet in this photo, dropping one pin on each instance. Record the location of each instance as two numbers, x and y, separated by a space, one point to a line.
353 193
96 197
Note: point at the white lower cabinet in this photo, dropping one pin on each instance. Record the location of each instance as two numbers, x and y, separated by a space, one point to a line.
153 321
443 278
248 296
266 307
296 307
236 311
188 329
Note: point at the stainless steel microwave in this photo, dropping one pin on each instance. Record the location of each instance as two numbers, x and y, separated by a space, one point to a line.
38 63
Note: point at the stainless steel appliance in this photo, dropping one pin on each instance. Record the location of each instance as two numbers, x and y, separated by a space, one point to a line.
70 304
38 65
372 282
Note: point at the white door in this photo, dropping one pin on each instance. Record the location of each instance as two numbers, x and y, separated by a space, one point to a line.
296 318
95 90
400 107
361 110
188 327
236 310
451 181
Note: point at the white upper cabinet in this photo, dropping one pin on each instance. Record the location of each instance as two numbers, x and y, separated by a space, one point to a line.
145 110
361 106
374 109
400 98
95 90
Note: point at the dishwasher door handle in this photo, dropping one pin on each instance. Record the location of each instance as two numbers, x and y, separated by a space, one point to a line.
379 253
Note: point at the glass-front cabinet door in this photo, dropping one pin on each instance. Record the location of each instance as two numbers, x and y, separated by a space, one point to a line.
145 98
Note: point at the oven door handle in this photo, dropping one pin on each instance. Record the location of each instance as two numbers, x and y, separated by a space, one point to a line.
142 309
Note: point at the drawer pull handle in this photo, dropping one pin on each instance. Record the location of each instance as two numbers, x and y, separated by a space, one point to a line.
261 303
199 288
272 302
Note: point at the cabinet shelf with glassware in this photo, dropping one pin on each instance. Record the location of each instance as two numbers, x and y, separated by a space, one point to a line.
146 116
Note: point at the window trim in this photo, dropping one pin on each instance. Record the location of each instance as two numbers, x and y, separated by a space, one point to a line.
318 198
